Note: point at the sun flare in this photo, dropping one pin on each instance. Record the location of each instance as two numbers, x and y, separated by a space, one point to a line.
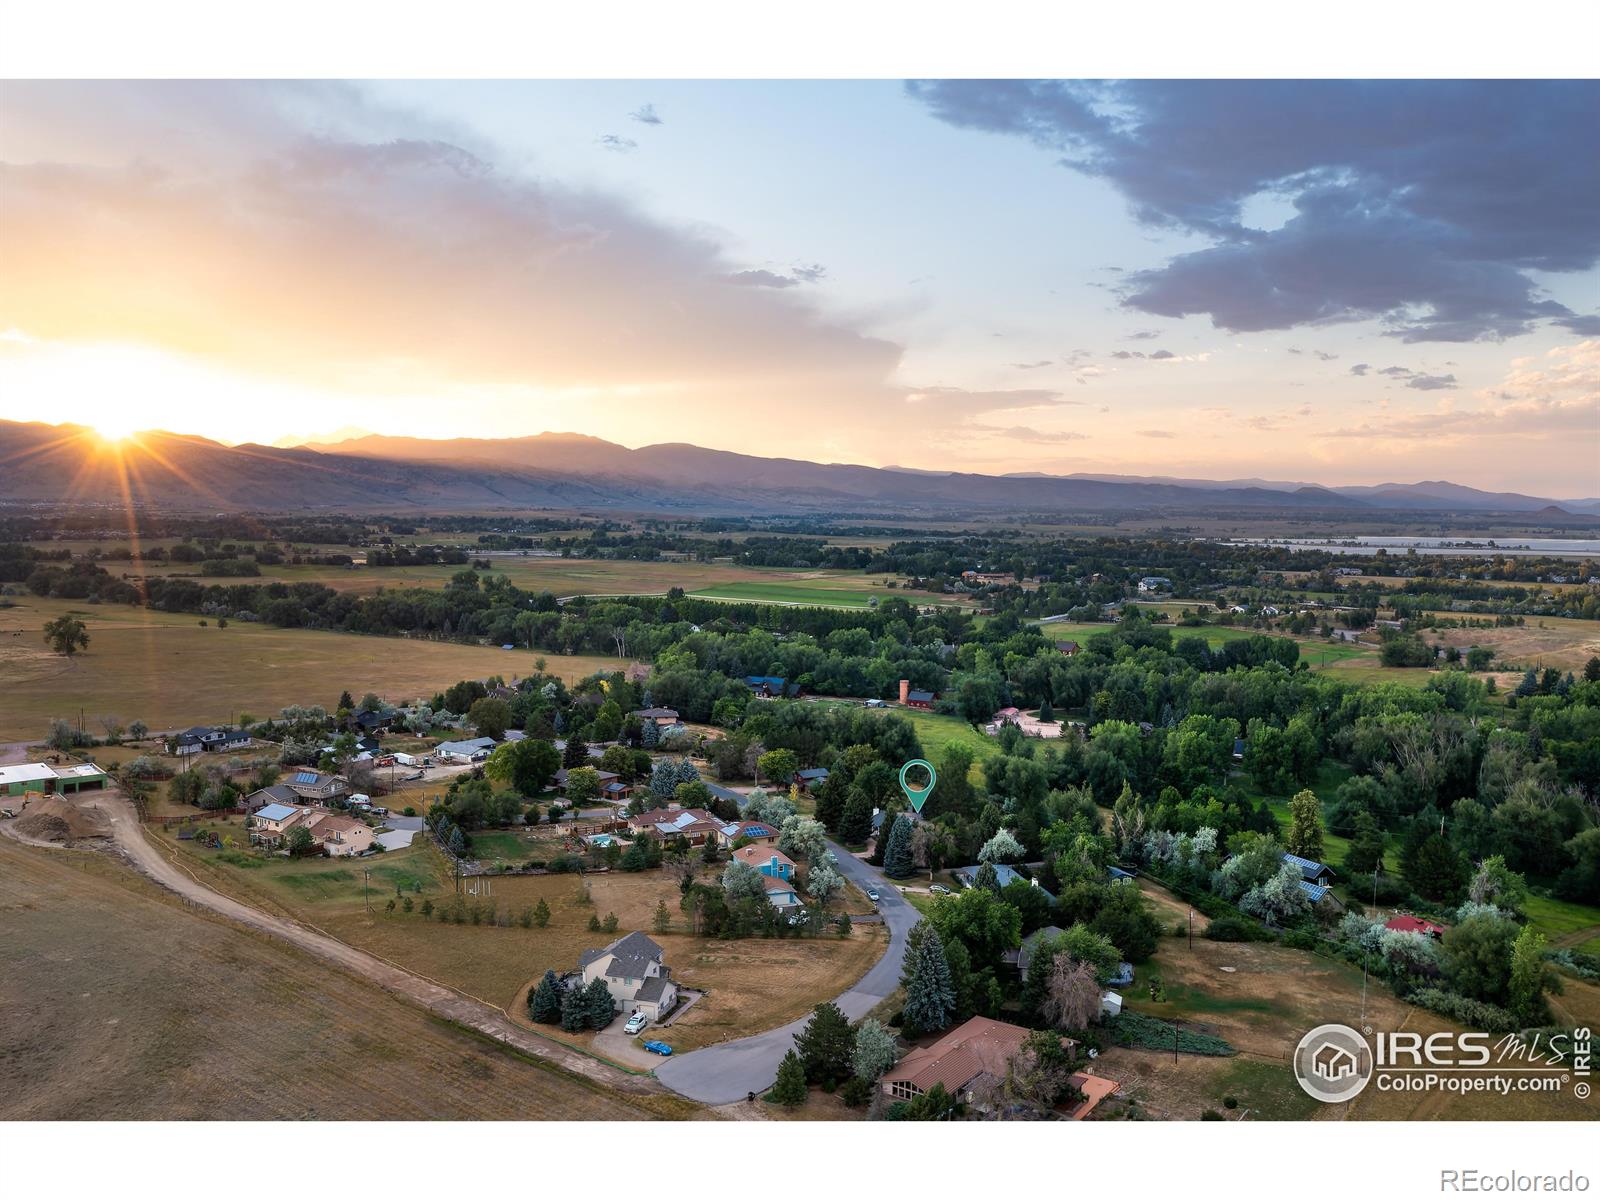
114 431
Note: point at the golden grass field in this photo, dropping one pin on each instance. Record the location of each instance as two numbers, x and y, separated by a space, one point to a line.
751 984
169 671
1562 642
122 1004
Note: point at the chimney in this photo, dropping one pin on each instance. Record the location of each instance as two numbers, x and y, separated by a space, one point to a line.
905 690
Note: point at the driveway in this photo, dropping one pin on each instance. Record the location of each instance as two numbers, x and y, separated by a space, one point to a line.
724 1073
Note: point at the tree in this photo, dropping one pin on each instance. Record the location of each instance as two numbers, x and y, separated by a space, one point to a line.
874 1051
1366 847
823 881
930 996
803 837
1530 978
541 913
855 827
741 881
790 1088
491 717
544 1002
825 1045
1477 957
583 784
1305 825
1591 669
663 918
299 841
526 766
1125 917
576 753
897 860
1494 883
137 730
66 635
1038 1077
778 766
1003 847
1434 868
1072 994
984 924
598 1004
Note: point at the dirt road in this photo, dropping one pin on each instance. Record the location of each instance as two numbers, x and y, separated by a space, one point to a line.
143 855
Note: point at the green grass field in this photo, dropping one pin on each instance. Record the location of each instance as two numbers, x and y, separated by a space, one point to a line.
1565 923
786 593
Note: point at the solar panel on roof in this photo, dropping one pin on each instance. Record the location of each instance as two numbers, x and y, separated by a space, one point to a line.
306 777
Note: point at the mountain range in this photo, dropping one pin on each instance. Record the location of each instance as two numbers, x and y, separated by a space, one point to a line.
52 464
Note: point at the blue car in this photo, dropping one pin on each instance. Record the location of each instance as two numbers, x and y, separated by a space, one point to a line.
658 1048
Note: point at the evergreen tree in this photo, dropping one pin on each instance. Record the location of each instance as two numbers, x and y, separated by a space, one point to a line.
897 861
1046 713
987 878
930 994
831 802
599 1007
1529 978
574 1010
663 918
825 1045
790 1089
576 753
1366 847
855 826
544 1002
541 913
1434 868
649 735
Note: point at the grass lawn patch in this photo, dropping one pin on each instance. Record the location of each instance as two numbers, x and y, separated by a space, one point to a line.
1265 1090
1564 922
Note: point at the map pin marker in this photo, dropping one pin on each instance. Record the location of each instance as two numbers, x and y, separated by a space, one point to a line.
918 795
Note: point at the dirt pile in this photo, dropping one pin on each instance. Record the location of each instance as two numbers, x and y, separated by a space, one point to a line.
56 819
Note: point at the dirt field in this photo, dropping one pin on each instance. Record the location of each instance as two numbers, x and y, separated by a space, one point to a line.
751 984
169 671
1543 642
119 1003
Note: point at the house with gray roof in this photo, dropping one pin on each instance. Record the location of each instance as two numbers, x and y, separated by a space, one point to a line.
468 750
634 974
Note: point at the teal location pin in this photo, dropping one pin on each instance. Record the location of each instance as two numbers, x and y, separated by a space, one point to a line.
918 795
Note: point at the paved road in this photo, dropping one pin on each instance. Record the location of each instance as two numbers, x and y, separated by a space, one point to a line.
143 855
730 1071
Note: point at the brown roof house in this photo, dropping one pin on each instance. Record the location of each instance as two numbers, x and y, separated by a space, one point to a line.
635 975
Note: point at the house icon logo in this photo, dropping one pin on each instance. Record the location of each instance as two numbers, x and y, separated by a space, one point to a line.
1333 1063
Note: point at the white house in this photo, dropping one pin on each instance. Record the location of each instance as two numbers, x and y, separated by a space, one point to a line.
470 750
634 974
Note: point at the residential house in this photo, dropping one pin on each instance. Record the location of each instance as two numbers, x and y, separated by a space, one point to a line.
317 785
1067 648
1311 871
693 824
341 836
208 739
634 973
44 779
1155 583
811 777
272 821
278 793
470 750
980 577
968 876
738 799
757 833
781 893
972 1059
769 687
1023 955
769 860
666 720
606 778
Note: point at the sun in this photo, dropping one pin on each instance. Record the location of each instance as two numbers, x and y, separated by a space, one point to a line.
112 430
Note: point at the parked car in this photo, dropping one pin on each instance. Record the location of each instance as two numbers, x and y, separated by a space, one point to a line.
939 889
660 1048
872 894
635 1023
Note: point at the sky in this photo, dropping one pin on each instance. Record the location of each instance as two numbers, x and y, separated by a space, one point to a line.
1329 281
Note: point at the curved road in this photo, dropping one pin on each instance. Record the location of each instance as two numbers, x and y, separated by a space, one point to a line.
730 1071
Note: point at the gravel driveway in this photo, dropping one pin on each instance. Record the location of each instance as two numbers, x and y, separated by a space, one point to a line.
724 1073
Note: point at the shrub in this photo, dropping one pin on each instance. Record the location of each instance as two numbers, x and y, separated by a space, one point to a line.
1234 929
855 1092
1150 1033
1490 1018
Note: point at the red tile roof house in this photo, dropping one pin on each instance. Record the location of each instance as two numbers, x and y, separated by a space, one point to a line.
974 1055
1408 924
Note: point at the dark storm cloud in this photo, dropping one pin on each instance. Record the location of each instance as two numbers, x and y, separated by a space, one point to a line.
1421 203
1583 326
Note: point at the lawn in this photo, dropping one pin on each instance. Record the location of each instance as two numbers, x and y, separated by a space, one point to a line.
169 671
1564 922
141 1021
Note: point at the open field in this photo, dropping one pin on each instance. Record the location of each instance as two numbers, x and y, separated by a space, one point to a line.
751 984
1315 652
169 671
1562 642
119 1003
795 594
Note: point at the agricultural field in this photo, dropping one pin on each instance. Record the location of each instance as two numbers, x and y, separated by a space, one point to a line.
1561 642
153 1015
1315 652
812 592
170 671
751 984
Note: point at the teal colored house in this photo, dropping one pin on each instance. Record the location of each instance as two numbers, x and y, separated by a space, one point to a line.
769 860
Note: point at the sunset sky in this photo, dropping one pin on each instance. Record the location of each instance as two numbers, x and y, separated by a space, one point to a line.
1347 283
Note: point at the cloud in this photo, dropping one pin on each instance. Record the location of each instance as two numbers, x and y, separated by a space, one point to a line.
1427 205
1583 326
646 114
621 145
810 273
1026 433
1431 383
1128 354
1553 397
304 233
1141 335
1324 355
1360 369
1163 355
761 278
1033 366
1155 433
955 402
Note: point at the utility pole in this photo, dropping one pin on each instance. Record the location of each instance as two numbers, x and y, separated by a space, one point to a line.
366 891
